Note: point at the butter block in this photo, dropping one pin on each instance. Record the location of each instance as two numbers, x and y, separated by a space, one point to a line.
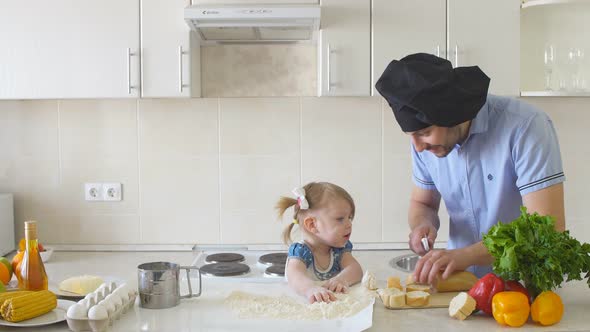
81 284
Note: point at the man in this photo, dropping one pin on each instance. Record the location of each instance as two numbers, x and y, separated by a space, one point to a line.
484 155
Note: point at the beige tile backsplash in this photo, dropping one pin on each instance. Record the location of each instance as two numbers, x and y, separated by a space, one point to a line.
260 158
210 170
341 143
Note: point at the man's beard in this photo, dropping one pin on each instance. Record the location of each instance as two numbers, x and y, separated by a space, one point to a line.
441 150
447 148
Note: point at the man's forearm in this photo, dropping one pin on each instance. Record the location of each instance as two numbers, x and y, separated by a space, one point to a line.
421 213
478 254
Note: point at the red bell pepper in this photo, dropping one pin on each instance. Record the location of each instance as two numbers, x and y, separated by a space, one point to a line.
515 286
484 290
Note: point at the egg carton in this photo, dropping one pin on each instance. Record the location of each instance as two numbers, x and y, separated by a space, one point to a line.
87 316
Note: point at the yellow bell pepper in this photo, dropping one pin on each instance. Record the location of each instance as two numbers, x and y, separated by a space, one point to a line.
510 308
547 309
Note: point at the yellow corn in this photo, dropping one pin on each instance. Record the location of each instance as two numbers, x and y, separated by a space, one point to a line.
12 294
28 306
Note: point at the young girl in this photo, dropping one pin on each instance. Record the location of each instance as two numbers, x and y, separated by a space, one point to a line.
324 212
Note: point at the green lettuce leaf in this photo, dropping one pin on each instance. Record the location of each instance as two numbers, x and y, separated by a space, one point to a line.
530 249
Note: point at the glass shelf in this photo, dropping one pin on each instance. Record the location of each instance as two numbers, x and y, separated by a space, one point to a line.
545 93
533 3
559 28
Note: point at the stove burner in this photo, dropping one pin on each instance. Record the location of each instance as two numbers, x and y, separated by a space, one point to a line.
224 257
224 269
279 258
275 270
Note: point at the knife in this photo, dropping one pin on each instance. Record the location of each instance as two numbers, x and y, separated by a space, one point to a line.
425 244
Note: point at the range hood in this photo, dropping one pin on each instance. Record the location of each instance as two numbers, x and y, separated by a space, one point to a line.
265 23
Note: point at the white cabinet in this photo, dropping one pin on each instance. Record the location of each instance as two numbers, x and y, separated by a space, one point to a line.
69 49
253 2
555 50
344 48
170 54
397 32
467 32
487 34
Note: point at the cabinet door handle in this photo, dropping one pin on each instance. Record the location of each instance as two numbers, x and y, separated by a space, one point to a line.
438 51
329 51
456 55
129 54
180 76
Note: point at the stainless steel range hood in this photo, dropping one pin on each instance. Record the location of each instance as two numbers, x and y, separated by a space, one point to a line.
265 23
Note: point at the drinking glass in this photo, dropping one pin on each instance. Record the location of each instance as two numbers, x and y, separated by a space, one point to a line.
580 83
549 61
574 57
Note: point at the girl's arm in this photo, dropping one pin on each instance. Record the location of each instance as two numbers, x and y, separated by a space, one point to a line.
303 285
351 274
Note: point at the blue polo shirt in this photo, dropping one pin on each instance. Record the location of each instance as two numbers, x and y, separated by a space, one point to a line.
511 150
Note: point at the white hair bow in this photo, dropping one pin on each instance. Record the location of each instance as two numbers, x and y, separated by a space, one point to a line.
301 200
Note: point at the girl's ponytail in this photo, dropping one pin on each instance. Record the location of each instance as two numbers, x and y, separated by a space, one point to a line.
282 205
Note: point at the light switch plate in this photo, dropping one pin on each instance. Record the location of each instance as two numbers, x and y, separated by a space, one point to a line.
112 192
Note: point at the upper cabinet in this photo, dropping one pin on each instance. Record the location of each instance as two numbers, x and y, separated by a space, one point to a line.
69 49
90 49
485 33
143 48
466 32
397 32
170 54
555 59
344 48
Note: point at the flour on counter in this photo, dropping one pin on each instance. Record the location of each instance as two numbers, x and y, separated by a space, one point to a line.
248 305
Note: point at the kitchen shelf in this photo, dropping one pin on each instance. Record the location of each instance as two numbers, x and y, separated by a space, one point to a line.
533 3
554 94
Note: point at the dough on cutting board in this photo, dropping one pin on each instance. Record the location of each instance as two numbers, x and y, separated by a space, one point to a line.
249 305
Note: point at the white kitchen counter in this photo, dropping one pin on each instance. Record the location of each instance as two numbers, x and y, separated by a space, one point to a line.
208 313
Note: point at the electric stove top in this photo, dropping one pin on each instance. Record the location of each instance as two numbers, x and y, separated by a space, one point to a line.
250 266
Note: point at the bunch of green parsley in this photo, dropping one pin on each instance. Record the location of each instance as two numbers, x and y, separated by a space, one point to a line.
530 249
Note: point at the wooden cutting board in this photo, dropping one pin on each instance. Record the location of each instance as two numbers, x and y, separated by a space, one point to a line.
437 300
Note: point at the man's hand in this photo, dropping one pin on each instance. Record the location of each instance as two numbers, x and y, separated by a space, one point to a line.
435 261
419 232
336 285
319 294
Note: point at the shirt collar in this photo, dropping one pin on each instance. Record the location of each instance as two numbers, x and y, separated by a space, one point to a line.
480 123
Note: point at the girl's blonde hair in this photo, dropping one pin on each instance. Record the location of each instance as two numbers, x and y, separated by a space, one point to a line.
317 195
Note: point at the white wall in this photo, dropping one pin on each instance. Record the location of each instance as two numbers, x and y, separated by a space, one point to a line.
210 170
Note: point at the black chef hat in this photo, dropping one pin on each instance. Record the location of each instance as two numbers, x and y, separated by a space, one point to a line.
424 90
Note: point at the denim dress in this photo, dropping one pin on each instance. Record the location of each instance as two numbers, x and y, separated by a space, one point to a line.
303 253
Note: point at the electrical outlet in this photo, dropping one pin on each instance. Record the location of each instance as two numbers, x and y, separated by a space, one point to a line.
112 192
93 191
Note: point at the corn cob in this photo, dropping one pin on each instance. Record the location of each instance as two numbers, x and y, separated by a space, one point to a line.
28 306
12 294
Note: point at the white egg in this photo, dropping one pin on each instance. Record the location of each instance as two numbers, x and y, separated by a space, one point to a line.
122 294
104 292
109 305
95 296
87 303
116 300
98 312
77 311
91 302
111 286
98 296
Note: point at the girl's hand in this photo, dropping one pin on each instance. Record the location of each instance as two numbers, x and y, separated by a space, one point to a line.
319 294
336 285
